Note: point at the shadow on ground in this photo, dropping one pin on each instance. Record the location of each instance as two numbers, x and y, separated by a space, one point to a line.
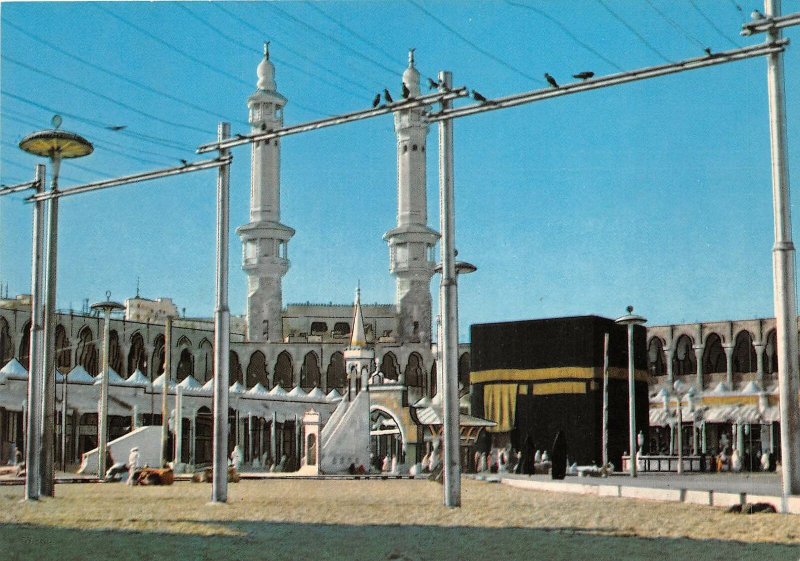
292 541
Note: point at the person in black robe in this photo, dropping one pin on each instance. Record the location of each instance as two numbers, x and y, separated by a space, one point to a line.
559 457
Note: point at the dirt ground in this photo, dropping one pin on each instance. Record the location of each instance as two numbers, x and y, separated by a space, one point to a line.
375 520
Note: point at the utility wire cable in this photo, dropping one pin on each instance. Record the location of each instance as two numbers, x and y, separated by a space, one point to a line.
313 5
274 6
288 49
105 97
474 46
204 64
568 33
676 25
713 25
71 164
147 138
117 75
644 41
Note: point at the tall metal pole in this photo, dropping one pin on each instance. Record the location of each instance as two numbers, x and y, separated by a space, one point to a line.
47 483
222 325
605 400
783 269
164 389
35 370
178 425
678 388
448 294
102 432
631 403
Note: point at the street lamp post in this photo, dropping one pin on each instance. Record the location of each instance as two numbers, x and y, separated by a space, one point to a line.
102 406
164 390
56 145
680 390
630 320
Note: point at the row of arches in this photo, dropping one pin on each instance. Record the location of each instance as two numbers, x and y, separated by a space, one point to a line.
198 362
684 357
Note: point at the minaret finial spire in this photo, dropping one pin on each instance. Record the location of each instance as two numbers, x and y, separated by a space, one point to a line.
266 50
411 57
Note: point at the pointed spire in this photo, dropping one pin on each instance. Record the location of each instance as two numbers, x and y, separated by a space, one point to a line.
358 338
266 50
411 75
266 72
411 57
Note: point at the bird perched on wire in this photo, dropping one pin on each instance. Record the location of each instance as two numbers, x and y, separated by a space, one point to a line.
755 14
550 80
117 127
387 96
582 75
708 51
377 100
184 162
478 97
432 84
406 91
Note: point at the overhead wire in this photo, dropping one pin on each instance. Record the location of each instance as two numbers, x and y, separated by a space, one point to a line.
676 25
202 63
118 75
713 25
103 96
283 62
475 46
8 162
98 124
569 33
72 164
313 5
274 6
641 37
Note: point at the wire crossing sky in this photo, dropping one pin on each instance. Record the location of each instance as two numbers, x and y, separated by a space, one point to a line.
655 194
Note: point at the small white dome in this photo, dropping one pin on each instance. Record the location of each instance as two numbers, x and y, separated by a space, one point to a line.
266 72
411 75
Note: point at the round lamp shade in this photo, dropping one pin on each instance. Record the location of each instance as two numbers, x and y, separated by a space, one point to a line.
51 142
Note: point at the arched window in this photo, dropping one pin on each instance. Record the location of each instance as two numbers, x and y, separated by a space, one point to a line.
434 379
185 365
6 343
206 361
656 361
336 374
389 366
771 356
157 362
235 369
114 352
684 362
137 356
257 370
415 375
463 372
309 372
714 355
319 327
341 328
25 345
283 371
63 352
86 353
744 353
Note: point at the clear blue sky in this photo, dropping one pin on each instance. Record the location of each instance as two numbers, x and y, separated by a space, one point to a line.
656 194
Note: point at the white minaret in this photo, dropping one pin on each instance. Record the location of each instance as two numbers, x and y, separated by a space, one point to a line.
411 242
358 357
265 240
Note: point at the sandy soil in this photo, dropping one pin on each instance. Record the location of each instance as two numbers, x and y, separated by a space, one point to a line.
364 520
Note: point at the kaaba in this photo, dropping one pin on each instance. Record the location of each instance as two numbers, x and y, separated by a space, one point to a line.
536 377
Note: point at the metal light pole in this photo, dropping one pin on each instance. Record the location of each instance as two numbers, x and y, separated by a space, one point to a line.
56 145
33 449
165 389
630 320
783 269
102 405
448 294
679 392
222 331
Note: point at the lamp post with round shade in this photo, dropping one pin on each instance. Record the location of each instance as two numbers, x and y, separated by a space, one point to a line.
631 319
56 145
102 405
